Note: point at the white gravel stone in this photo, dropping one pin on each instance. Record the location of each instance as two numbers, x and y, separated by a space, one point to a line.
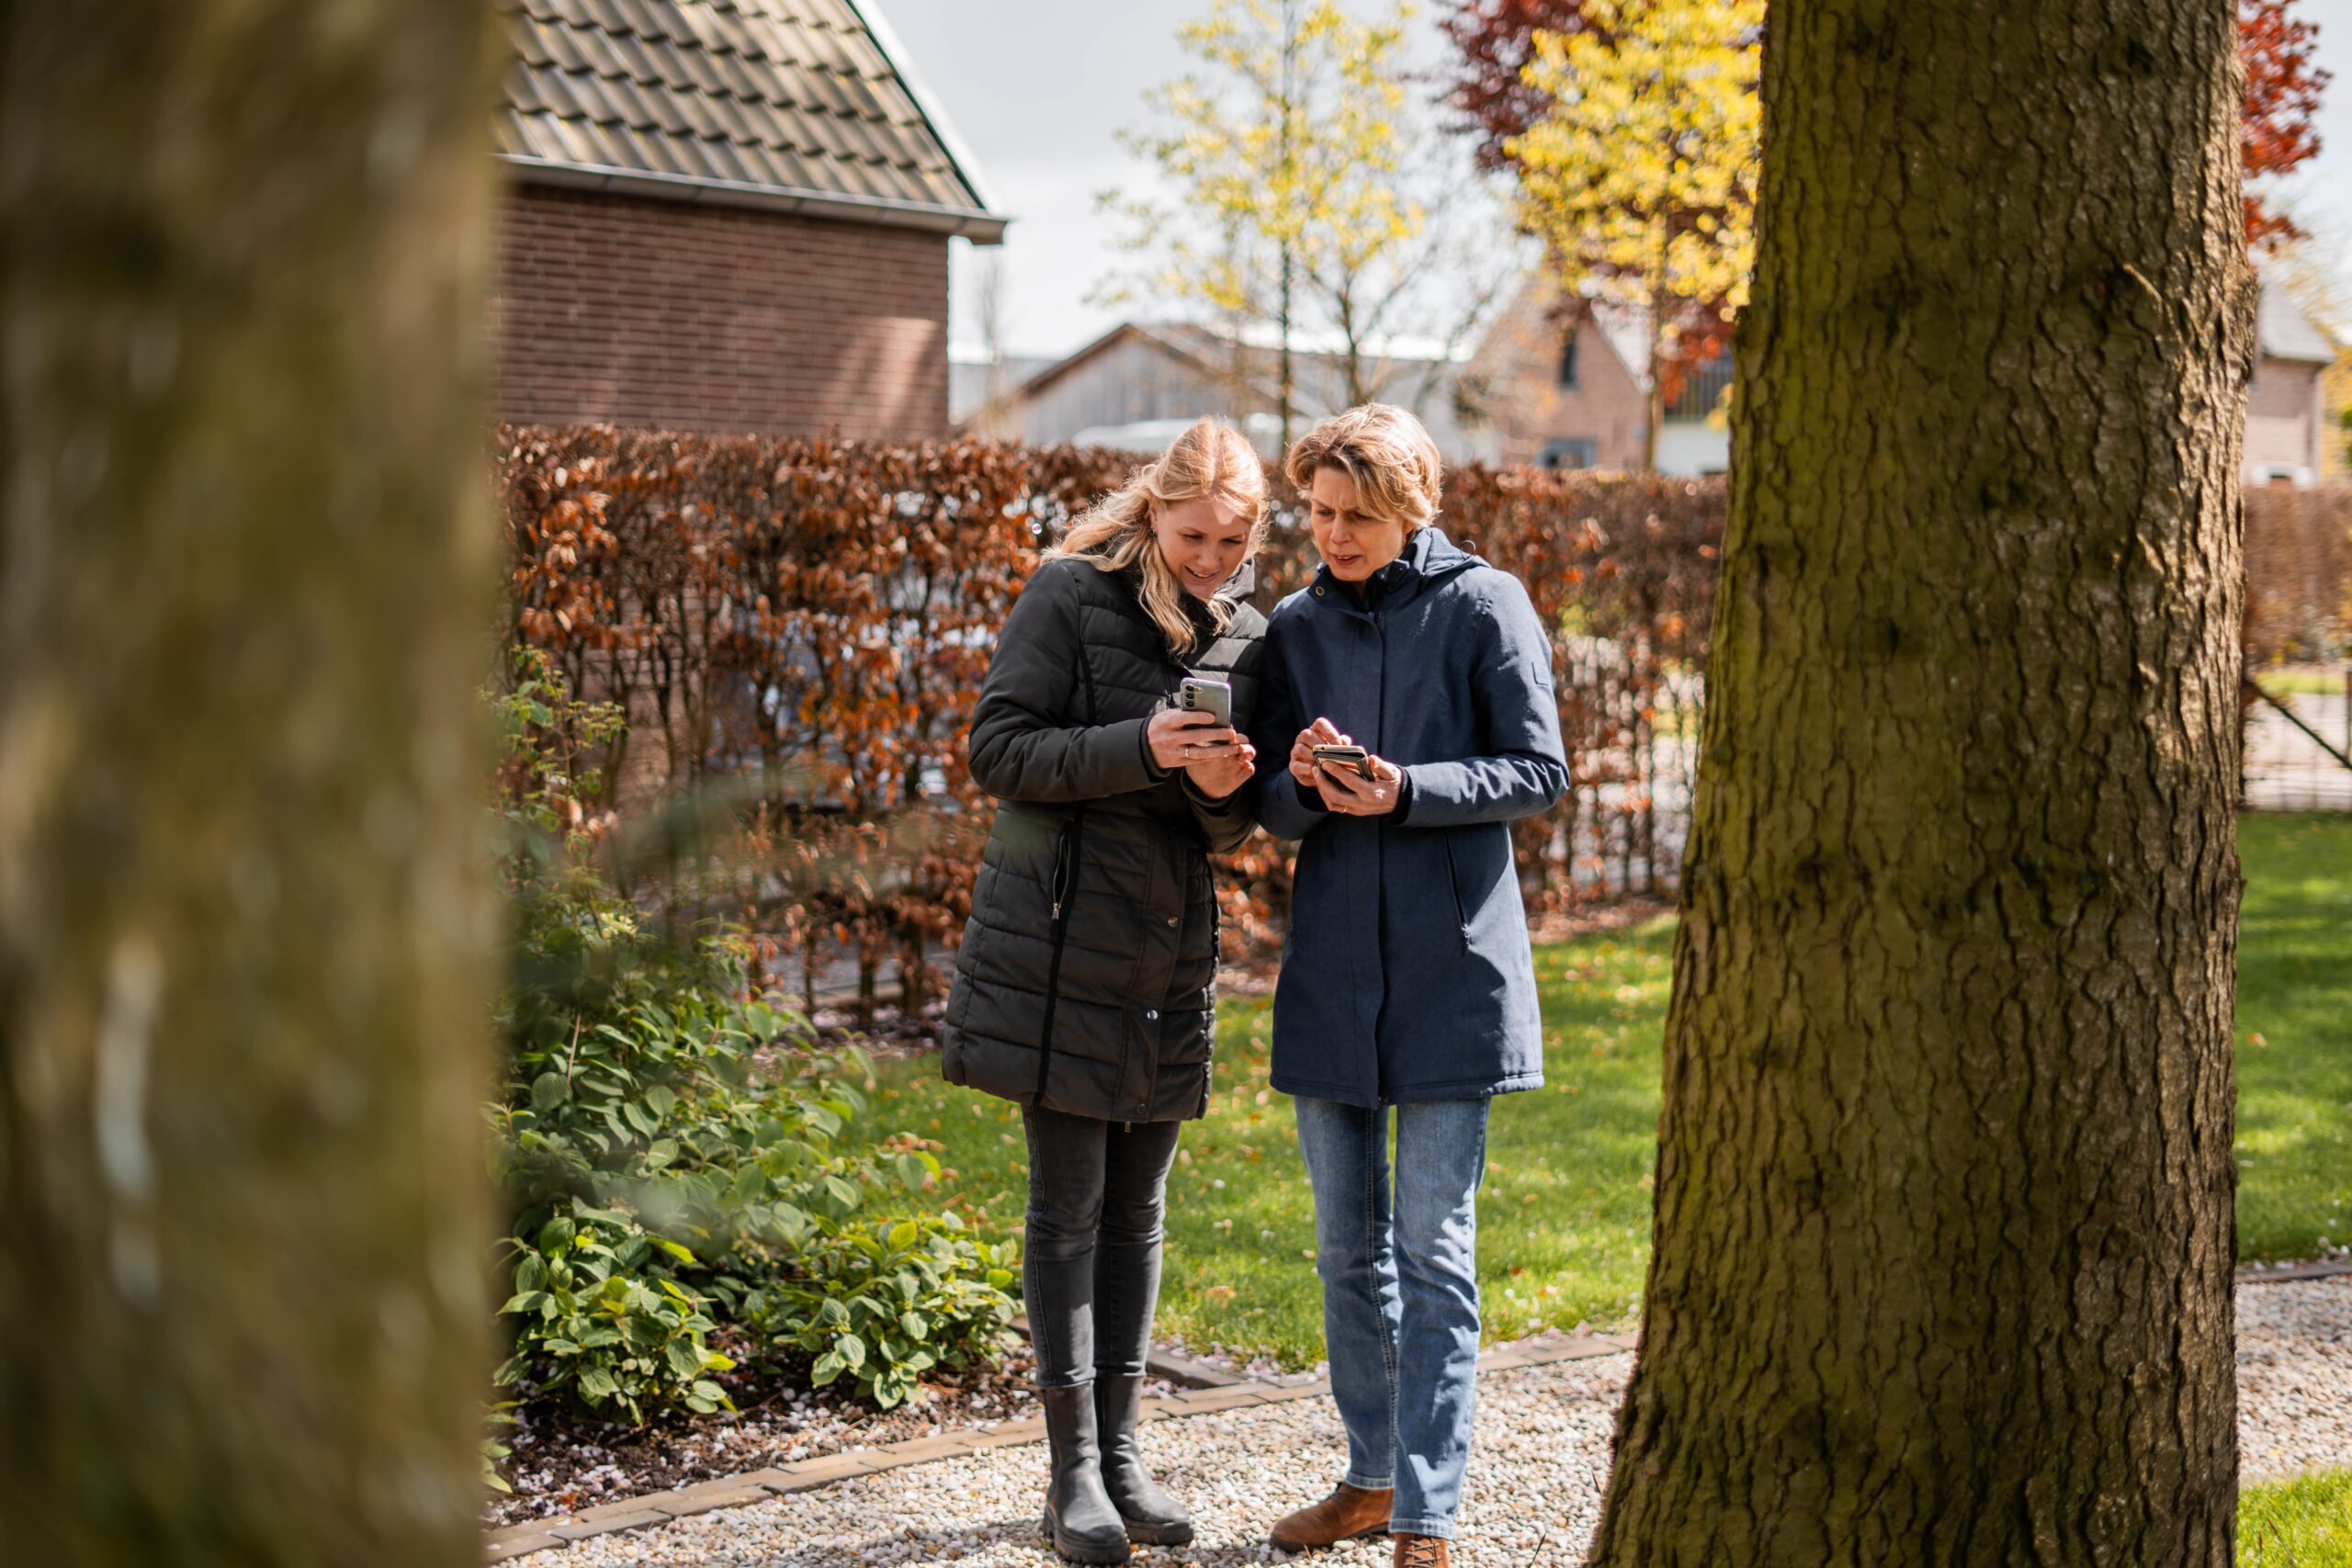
2294 1377
1543 1433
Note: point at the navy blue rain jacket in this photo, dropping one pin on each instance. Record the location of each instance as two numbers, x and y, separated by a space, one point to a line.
1406 970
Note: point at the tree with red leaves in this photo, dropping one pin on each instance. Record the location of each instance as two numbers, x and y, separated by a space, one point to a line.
2282 93
1494 40
1497 38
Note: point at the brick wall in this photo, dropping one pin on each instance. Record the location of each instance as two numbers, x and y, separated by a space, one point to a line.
616 309
1524 406
2282 415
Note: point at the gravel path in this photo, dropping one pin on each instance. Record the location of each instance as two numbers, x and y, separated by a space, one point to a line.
2294 1377
1547 1428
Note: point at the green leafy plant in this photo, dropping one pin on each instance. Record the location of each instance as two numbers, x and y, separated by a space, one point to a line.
882 1303
675 1154
604 1314
499 1414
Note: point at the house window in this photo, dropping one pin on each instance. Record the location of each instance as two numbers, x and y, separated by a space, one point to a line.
1703 388
1575 452
1567 377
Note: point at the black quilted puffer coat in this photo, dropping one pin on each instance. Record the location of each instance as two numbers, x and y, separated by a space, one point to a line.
1086 978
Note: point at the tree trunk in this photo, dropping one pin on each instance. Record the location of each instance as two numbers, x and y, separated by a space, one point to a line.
244 588
1654 385
1943 1245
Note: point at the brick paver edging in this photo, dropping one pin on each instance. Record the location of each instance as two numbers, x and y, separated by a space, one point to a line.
758 1485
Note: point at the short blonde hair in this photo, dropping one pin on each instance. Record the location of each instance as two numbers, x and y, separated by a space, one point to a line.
1211 460
1385 451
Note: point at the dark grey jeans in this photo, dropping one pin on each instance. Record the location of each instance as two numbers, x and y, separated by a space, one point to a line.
1090 1268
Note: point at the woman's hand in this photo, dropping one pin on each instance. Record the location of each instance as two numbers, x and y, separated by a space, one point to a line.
1218 771
1178 737
1351 794
1345 790
1303 765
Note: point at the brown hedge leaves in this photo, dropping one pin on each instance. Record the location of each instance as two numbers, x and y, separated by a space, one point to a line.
798 629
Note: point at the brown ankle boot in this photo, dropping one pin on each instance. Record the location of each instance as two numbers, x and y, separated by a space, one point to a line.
1420 1552
1347 1513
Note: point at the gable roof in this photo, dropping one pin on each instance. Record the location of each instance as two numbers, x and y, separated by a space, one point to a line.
2287 333
799 106
1162 338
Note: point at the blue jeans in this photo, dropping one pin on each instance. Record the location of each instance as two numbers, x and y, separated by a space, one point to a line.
1400 1292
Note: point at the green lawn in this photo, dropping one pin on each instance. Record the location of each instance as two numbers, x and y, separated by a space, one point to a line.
2294 1033
2304 1523
2306 680
1563 1217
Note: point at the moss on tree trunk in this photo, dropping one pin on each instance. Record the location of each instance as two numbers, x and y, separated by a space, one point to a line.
244 574
1943 1250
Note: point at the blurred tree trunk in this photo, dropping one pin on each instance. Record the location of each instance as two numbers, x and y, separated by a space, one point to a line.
1943 1246
244 580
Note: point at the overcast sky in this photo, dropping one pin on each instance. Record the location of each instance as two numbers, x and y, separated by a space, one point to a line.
1038 88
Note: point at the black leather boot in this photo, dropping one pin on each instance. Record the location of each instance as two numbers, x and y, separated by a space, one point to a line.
1080 1519
1152 1516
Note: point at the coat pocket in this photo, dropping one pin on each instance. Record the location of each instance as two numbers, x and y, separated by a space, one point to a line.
1065 877
1453 884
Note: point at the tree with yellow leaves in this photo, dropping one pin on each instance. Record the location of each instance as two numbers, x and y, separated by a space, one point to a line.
1304 197
1640 177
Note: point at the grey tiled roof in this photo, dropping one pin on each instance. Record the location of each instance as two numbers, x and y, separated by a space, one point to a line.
2287 333
781 103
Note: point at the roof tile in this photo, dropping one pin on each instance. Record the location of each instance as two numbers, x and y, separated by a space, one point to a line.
792 93
824 90
746 80
561 43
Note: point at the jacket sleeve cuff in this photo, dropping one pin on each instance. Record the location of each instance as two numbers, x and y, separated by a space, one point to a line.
1283 808
1214 802
1404 797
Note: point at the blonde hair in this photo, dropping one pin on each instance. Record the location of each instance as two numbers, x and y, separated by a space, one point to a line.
1388 455
1210 460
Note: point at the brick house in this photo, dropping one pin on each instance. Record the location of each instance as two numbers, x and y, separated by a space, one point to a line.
1564 388
2288 427
1561 385
725 216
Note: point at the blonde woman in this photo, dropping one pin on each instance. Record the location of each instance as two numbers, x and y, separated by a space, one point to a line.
1408 989
1083 990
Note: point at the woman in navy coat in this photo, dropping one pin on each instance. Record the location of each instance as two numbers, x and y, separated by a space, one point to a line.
1407 979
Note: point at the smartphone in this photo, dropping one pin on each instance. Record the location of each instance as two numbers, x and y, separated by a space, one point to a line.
1200 694
1354 757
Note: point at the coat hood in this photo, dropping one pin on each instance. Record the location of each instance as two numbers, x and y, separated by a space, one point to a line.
1428 556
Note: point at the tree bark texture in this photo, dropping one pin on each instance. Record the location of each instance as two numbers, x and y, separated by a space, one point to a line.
1943 1242
245 578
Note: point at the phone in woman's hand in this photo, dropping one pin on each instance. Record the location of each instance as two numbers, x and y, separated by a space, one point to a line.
1354 757
1200 694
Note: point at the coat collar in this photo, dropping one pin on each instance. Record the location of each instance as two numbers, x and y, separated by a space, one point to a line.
1429 555
1232 596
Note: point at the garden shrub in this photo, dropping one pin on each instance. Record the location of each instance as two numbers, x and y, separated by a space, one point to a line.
882 1303
676 1154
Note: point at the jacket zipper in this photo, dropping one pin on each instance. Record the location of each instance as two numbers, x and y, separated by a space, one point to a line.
1065 894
